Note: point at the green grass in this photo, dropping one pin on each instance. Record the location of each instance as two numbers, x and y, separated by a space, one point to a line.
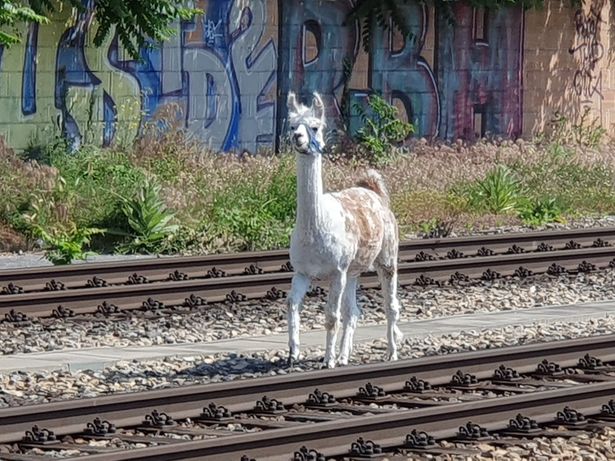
204 202
546 191
259 215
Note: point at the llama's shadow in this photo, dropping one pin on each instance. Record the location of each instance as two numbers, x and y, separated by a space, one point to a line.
222 370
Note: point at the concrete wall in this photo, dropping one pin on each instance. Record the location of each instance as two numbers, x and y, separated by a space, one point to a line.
503 72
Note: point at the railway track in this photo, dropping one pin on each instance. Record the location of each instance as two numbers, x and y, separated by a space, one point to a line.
402 408
192 282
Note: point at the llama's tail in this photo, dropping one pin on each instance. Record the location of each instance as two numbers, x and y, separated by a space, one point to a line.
375 182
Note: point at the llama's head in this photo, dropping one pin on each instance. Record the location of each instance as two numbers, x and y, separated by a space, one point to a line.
307 125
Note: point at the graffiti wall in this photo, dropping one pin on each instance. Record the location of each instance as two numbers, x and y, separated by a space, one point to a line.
225 75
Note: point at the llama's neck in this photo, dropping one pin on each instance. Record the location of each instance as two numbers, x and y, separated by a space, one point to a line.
309 192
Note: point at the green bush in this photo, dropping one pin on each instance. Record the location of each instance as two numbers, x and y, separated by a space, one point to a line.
382 129
573 185
98 178
257 215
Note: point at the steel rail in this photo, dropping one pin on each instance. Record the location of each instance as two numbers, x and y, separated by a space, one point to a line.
158 269
86 300
335 437
124 410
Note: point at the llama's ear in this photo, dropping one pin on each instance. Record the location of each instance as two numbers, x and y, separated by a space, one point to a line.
291 102
319 107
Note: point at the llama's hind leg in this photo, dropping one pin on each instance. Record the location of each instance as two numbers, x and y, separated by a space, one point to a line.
333 314
300 286
388 279
350 316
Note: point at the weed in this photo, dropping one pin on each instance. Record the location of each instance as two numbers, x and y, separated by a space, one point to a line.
436 228
382 129
497 193
585 132
98 178
260 215
148 218
540 212
66 244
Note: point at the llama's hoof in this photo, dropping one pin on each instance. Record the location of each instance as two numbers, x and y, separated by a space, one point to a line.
331 363
342 361
292 360
392 357
328 363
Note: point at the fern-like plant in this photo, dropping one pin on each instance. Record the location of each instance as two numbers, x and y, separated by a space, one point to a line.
378 13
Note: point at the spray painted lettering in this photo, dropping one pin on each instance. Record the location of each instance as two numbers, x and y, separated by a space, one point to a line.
588 50
224 72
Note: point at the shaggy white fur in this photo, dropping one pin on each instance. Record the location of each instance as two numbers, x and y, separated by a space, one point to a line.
338 236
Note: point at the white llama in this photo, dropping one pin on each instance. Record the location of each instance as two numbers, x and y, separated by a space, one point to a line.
338 236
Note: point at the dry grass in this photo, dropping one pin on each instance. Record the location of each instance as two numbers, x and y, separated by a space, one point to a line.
229 202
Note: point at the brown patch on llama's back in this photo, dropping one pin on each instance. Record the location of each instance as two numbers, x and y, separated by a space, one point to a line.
363 216
375 182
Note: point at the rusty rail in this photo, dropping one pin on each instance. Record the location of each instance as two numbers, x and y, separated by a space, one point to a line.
166 268
334 437
273 285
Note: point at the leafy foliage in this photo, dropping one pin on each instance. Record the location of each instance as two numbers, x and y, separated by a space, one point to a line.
539 212
13 12
382 13
148 218
65 244
388 14
261 215
497 193
98 179
136 22
381 129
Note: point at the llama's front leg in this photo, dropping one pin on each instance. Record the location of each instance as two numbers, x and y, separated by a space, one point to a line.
350 316
300 286
332 316
388 280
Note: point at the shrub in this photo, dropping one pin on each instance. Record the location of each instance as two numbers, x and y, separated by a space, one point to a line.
18 180
65 244
258 214
98 178
382 129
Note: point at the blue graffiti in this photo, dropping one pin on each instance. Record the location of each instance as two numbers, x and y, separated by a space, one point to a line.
335 46
72 71
404 74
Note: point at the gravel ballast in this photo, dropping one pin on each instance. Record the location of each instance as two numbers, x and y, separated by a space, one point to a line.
594 446
19 388
266 317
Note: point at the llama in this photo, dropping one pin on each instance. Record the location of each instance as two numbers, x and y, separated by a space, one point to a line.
338 236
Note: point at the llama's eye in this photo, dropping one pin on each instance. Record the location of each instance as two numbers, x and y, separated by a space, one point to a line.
315 129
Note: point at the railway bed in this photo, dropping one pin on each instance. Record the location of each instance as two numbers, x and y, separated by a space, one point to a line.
154 284
400 407
130 272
